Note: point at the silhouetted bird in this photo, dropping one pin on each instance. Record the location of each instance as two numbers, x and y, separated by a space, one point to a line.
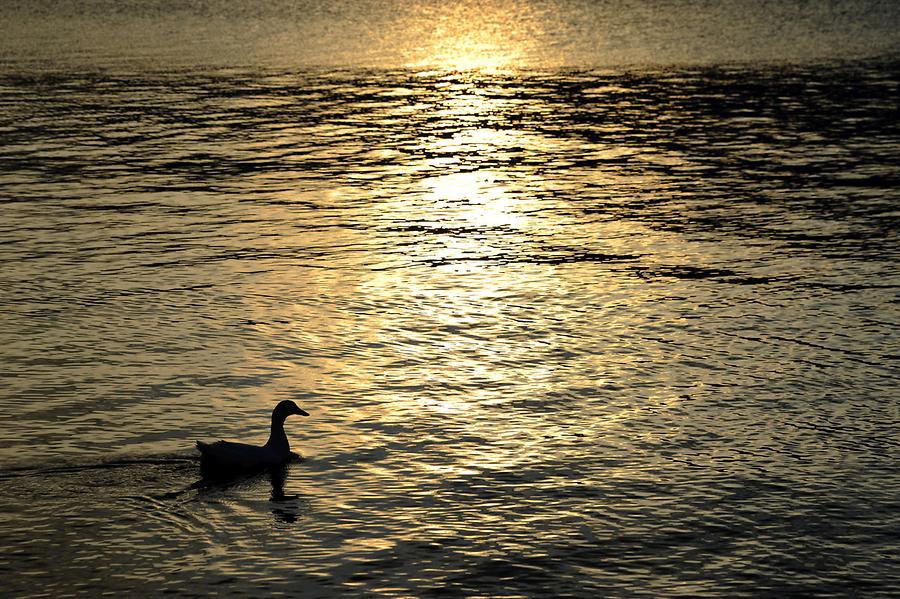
224 457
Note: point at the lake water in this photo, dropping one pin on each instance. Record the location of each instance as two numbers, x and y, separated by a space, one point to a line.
584 299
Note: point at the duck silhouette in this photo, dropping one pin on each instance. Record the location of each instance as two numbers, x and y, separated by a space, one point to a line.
228 457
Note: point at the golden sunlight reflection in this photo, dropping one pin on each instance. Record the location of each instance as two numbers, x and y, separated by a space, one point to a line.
468 55
467 193
479 36
478 199
479 228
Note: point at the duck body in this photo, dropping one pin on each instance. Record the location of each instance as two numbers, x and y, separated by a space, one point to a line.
226 457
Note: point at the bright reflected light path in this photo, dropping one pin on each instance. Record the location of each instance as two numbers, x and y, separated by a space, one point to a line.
584 299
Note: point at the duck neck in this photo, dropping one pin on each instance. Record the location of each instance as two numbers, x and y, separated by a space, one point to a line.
277 439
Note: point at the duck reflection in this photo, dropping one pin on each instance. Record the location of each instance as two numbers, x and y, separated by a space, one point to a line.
277 476
286 507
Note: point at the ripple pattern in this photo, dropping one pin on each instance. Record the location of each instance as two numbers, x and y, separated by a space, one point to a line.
562 333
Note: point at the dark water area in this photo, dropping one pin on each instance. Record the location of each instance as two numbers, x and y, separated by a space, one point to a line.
564 326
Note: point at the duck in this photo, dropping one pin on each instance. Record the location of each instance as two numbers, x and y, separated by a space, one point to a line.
224 457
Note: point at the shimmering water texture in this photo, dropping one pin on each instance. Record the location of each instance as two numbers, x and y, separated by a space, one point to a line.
562 331
560 334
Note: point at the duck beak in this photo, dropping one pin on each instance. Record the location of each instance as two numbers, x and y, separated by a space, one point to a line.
302 412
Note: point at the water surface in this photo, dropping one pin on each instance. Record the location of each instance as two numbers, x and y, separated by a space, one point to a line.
571 328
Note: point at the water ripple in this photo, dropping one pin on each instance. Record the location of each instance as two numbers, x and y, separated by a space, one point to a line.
569 333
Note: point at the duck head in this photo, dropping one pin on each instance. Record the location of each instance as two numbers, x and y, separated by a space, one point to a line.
286 408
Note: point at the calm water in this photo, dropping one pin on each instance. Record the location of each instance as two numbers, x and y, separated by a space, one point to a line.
584 299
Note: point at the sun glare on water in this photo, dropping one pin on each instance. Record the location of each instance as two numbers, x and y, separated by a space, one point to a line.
484 37
465 54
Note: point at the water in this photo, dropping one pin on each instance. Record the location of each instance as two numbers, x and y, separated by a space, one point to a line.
614 315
